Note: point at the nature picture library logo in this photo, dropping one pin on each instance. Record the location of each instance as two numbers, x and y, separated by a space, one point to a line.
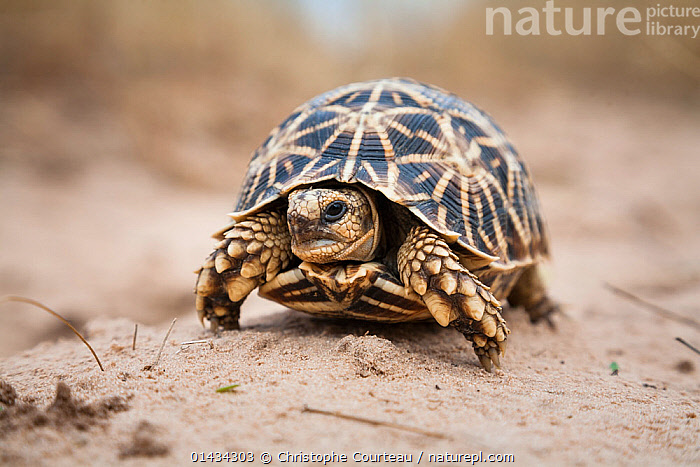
658 20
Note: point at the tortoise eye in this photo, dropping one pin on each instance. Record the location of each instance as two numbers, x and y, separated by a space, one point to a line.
334 211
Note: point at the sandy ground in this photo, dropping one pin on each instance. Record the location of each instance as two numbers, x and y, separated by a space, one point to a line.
111 243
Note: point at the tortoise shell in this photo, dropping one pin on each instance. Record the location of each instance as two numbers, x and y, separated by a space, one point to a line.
421 147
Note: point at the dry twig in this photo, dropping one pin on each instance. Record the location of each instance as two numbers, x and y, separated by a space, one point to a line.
375 422
162 345
15 298
668 314
684 342
201 341
133 342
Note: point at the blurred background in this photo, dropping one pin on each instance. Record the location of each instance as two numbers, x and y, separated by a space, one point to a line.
125 129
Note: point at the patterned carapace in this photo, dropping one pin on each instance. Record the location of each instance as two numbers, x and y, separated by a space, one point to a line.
421 147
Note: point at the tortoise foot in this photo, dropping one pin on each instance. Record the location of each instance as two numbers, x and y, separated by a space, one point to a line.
250 252
211 298
453 295
488 348
543 311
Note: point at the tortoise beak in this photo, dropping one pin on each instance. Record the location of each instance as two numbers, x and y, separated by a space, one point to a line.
305 230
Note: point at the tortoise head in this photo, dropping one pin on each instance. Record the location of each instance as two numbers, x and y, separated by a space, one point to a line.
333 224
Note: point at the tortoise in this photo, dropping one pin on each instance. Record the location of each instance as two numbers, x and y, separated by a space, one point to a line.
386 200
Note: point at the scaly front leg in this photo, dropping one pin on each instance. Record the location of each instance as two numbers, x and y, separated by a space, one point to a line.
250 253
453 295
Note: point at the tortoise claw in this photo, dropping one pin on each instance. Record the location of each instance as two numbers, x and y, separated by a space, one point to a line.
493 354
502 347
214 324
483 359
489 356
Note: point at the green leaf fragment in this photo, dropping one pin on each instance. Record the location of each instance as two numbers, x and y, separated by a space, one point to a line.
614 366
227 388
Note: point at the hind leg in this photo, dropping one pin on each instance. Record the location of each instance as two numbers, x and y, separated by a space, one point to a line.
530 293
250 253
